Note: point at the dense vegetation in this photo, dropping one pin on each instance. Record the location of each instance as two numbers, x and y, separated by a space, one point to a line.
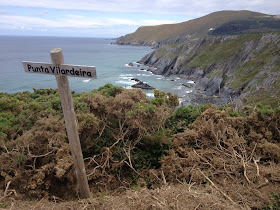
129 141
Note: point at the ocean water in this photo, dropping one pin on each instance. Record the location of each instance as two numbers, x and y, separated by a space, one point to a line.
111 63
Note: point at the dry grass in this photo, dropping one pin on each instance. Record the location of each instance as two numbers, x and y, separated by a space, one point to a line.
167 197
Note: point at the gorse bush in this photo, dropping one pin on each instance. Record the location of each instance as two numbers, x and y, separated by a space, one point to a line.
161 98
109 90
127 139
182 117
264 110
116 127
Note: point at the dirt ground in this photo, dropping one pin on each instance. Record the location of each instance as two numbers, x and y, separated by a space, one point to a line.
166 197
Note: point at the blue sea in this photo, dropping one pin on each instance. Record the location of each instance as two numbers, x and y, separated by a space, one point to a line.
111 62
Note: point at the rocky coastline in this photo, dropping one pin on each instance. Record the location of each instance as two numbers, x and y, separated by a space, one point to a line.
194 94
225 69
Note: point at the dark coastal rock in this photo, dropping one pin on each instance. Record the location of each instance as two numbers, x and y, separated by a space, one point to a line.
188 85
136 80
130 64
143 85
211 85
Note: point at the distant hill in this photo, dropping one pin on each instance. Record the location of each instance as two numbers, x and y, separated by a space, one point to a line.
172 33
256 25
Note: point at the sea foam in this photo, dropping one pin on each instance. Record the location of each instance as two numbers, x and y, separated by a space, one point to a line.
86 80
126 82
151 95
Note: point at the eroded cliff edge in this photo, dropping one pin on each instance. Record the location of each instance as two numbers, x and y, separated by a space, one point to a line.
232 67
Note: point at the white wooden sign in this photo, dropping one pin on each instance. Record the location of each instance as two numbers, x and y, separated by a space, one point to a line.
62 69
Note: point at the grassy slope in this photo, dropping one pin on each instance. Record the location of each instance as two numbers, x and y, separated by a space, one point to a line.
198 26
251 74
247 74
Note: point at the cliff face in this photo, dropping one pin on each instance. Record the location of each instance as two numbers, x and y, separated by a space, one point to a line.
236 66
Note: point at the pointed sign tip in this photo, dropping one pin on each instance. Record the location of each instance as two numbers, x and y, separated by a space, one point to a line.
55 50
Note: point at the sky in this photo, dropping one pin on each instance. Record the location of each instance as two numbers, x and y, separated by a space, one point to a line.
110 18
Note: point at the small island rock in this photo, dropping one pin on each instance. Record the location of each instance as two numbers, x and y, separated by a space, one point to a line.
143 85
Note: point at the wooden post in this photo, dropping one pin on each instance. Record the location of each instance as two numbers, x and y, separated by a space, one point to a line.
71 125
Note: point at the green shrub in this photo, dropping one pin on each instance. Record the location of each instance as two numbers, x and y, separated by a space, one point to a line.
109 90
35 106
149 153
275 205
181 118
171 100
157 101
4 104
264 110
56 104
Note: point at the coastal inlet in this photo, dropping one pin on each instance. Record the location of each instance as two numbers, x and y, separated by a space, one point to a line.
142 76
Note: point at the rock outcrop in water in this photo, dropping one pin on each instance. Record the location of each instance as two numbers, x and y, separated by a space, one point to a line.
228 67
142 85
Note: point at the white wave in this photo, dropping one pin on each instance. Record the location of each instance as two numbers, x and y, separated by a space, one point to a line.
179 87
191 82
128 87
144 75
86 80
159 78
126 76
189 91
150 95
126 82
126 65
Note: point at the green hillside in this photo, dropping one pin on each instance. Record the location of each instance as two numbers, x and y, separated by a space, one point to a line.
151 35
256 25
242 66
